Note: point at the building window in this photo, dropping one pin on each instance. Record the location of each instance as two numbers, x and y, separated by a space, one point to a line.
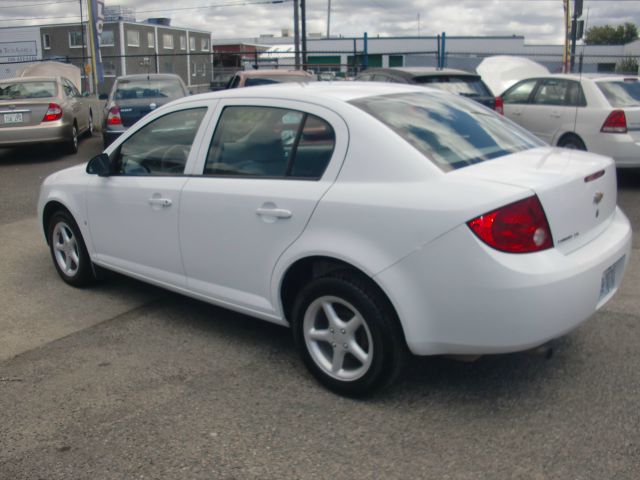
167 41
183 42
204 44
192 43
194 69
46 41
75 39
151 39
107 38
109 68
133 38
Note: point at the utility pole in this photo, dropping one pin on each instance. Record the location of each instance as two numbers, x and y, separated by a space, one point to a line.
577 12
84 50
328 18
296 33
303 21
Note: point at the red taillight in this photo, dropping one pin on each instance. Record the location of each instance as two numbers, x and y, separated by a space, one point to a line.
616 122
499 106
53 113
520 227
113 117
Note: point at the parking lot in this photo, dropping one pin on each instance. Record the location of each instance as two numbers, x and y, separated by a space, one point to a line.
128 381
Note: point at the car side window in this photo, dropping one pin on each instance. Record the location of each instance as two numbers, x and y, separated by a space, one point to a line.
67 87
269 142
575 95
520 92
160 147
552 91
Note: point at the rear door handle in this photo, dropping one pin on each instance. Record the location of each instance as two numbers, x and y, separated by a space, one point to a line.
273 212
162 202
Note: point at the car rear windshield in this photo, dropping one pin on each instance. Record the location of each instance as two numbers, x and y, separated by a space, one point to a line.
22 90
449 130
152 88
253 81
621 93
467 85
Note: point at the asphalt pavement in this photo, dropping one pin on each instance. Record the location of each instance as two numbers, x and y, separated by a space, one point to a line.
124 381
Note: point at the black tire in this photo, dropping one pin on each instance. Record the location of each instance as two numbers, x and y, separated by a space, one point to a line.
71 146
68 251
379 337
572 142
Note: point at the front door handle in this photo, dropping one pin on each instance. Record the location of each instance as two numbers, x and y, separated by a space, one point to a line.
161 202
273 212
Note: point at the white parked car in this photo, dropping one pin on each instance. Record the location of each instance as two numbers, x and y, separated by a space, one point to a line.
371 218
598 113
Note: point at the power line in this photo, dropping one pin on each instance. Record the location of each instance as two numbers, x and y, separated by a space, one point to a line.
219 5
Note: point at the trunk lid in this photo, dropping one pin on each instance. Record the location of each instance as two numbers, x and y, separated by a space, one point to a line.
133 110
577 189
22 113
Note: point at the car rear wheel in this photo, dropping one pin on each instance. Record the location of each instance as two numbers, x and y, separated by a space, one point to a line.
572 142
69 253
347 336
72 143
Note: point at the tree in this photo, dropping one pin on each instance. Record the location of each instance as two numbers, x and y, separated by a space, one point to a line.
610 35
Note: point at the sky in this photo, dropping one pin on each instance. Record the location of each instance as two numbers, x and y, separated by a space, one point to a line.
539 21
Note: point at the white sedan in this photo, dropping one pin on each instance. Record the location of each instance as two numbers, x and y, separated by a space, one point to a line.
598 113
374 219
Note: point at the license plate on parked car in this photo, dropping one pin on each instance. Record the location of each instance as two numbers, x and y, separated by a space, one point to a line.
608 281
12 118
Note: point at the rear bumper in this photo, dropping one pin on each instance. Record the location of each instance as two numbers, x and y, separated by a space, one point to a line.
109 136
622 147
484 301
28 135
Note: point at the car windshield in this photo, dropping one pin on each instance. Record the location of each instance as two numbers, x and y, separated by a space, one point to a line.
449 130
253 81
621 93
148 88
20 90
469 86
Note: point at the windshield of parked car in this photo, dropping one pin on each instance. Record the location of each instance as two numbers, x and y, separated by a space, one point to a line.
449 130
152 88
621 93
466 85
253 81
20 90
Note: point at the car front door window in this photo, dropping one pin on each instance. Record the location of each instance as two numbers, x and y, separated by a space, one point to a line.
161 147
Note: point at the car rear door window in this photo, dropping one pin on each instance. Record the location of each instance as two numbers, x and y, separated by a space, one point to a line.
161 147
253 141
553 91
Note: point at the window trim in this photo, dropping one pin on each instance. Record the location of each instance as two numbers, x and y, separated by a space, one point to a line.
77 32
151 39
183 42
46 41
113 36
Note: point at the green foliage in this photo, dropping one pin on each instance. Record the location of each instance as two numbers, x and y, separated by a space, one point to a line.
609 35
628 65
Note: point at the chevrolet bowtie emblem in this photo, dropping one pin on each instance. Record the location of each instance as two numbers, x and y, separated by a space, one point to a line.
597 198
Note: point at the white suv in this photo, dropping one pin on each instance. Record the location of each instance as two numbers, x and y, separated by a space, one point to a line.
600 113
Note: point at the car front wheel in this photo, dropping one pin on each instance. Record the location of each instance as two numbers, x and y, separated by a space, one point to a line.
348 335
69 253
72 143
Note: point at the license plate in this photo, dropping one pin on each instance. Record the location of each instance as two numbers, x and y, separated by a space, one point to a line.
12 118
608 281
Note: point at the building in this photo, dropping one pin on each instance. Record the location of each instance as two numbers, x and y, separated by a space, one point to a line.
129 47
126 47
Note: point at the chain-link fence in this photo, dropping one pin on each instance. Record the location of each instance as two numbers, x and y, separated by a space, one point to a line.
212 71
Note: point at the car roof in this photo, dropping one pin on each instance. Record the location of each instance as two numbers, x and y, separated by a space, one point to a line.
315 92
154 76
40 78
273 72
586 76
421 71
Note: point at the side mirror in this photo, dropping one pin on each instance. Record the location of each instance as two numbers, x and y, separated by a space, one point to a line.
103 96
99 165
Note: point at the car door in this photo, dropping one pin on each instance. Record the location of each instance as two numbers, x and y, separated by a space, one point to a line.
552 108
74 102
134 212
263 174
516 101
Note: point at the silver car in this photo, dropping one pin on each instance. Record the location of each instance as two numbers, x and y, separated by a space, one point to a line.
36 110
